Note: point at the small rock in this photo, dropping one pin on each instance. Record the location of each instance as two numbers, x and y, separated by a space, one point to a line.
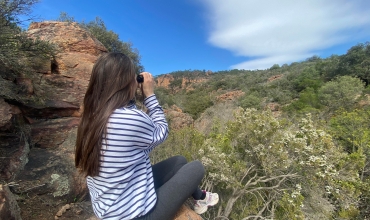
67 206
63 210
78 211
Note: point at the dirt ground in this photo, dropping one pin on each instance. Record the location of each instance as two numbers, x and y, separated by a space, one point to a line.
36 207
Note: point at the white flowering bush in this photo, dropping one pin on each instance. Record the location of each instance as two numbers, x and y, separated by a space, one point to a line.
287 167
326 169
246 163
267 168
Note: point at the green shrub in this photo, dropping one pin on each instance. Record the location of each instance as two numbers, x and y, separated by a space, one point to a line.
196 102
342 92
252 100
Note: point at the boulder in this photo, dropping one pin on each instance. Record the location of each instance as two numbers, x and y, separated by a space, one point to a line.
70 69
68 36
50 170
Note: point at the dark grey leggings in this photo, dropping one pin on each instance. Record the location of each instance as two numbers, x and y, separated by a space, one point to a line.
175 180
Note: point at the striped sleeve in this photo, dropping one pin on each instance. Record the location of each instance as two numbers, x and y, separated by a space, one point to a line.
137 129
160 126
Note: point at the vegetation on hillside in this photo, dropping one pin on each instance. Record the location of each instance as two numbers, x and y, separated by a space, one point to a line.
311 162
314 84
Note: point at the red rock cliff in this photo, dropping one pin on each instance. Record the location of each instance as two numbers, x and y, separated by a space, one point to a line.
39 151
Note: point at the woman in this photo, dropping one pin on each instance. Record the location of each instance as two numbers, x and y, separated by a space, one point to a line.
113 143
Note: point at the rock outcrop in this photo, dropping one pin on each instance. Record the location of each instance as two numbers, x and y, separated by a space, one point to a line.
186 82
273 78
177 119
39 115
64 84
164 80
228 96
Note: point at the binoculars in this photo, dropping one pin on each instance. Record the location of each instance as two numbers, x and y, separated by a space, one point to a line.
140 78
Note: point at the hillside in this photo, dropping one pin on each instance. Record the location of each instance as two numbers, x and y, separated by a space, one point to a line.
283 89
288 142
308 119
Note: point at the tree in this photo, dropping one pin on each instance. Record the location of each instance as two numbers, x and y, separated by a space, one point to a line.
16 49
356 62
64 17
309 78
308 102
343 92
10 10
274 67
314 58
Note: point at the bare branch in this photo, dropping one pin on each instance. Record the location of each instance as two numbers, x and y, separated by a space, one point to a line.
246 173
251 179
269 187
263 179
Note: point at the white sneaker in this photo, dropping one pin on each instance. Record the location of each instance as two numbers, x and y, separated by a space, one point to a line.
201 206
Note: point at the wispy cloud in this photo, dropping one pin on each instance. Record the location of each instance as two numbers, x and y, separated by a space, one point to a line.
267 32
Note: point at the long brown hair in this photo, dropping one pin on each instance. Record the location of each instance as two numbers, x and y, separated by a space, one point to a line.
112 85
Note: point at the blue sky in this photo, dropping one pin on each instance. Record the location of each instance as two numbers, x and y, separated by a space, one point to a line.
224 34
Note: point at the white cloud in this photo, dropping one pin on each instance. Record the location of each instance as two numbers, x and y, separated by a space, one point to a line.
282 31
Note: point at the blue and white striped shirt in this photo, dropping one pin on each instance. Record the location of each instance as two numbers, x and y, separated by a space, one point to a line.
124 188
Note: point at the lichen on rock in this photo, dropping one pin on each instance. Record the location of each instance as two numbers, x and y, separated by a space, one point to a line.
62 185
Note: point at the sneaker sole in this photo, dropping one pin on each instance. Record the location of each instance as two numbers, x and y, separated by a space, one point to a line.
214 202
201 211
205 208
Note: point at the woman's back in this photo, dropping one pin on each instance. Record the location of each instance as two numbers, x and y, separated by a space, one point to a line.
124 186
